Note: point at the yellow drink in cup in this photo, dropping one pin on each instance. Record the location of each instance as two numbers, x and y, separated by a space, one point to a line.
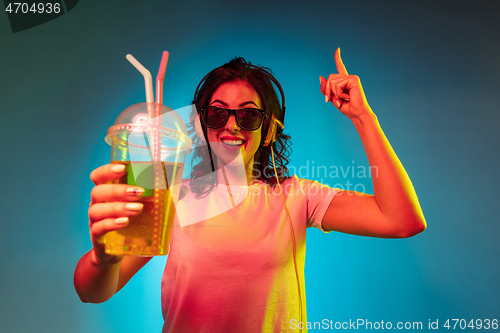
148 233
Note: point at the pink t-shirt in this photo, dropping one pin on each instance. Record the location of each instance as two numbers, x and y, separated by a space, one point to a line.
233 271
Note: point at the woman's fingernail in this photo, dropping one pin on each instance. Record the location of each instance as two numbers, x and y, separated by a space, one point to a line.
135 191
121 220
338 103
135 206
326 99
118 168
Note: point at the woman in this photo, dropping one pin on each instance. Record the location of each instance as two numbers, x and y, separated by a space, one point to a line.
239 266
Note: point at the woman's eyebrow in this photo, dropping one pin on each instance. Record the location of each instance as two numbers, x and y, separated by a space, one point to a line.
219 101
248 102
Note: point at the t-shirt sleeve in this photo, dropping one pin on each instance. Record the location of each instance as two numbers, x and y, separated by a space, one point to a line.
318 198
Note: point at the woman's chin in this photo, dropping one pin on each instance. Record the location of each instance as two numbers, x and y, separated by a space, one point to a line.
232 160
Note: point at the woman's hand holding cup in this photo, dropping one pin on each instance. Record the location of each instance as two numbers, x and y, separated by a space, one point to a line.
110 207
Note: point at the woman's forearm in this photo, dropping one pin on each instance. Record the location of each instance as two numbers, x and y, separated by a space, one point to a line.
96 281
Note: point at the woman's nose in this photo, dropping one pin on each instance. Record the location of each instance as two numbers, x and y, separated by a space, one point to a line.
231 124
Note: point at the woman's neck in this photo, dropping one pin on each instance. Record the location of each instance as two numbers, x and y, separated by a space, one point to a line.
235 175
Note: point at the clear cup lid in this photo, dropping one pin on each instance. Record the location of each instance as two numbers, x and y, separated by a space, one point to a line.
136 128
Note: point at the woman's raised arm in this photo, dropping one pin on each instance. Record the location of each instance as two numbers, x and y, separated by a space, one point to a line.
393 211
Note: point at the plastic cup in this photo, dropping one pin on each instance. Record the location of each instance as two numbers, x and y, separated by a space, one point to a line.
153 164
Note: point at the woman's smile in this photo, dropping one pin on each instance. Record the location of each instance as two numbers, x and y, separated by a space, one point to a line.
232 143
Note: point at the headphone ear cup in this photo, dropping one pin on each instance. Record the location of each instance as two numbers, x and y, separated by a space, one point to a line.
271 132
198 128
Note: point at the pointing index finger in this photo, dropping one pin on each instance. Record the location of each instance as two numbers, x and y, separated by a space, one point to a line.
338 62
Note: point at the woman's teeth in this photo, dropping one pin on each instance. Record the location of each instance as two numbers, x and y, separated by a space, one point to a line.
232 142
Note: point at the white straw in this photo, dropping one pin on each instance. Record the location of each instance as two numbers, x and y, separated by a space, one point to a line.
150 99
148 79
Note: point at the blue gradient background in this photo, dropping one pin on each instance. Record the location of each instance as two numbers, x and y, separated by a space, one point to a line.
430 70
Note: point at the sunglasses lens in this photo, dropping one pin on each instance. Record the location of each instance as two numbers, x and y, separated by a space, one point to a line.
249 119
215 117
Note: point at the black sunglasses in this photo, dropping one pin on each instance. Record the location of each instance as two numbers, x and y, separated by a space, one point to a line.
248 119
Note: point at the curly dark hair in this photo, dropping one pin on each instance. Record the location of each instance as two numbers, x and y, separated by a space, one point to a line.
203 162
